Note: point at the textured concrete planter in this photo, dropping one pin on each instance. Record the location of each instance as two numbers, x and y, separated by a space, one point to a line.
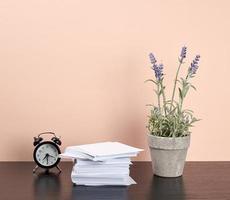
168 155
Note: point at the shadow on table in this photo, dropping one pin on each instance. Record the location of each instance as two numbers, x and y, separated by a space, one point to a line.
99 193
167 188
45 185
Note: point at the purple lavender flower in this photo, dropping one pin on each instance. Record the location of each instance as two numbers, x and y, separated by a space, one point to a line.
152 58
194 66
158 69
183 53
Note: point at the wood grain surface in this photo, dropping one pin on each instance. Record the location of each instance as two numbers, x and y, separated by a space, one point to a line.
201 180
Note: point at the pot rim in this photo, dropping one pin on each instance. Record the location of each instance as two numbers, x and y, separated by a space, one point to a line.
150 135
168 143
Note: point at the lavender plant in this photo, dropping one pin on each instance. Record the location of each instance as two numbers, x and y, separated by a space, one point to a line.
169 118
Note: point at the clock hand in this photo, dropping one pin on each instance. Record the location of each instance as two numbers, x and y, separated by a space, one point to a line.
45 157
51 156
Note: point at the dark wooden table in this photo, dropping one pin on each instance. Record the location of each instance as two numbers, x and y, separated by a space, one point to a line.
201 180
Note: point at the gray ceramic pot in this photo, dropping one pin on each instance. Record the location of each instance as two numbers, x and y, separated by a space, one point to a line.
168 155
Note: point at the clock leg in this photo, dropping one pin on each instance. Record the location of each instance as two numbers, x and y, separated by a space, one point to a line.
35 169
59 169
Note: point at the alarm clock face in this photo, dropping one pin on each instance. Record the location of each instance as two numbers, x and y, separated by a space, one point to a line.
46 154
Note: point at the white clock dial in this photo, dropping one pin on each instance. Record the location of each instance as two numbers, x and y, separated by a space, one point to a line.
47 154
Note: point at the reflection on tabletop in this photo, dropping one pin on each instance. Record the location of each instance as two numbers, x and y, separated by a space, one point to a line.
47 184
99 193
167 188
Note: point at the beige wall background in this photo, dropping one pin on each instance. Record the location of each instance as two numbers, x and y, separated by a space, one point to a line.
78 68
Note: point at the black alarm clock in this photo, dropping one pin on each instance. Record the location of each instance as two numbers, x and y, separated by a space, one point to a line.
46 153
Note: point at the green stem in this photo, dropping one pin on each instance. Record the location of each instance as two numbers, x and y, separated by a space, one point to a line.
163 94
175 82
158 95
182 100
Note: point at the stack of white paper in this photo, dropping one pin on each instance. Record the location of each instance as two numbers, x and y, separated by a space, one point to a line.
104 163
